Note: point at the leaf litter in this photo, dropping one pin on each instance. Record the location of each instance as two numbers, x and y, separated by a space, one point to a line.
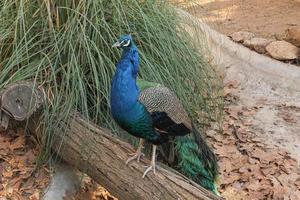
21 180
19 177
250 168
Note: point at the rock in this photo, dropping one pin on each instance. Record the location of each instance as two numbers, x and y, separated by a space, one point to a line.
282 50
258 44
292 35
64 181
241 36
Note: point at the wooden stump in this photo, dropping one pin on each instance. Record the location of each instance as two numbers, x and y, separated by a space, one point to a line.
19 102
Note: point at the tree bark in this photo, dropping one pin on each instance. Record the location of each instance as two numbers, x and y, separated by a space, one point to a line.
96 152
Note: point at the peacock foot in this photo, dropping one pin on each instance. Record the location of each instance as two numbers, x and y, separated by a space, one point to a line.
136 156
152 166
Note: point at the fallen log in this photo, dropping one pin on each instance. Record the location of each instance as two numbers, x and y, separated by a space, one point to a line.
96 152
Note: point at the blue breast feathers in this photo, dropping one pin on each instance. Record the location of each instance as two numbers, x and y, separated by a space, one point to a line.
124 91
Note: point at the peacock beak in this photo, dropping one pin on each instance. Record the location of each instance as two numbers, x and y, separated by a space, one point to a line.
117 44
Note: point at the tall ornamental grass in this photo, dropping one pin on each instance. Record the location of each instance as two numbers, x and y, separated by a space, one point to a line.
65 47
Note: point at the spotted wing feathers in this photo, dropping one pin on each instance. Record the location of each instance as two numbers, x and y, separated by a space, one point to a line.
166 110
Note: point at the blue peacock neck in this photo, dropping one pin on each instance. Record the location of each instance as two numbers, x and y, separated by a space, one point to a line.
132 54
124 91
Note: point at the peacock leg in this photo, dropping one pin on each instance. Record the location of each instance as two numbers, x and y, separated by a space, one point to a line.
137 155
152 166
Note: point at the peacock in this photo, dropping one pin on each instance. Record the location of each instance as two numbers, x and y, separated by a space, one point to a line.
153 113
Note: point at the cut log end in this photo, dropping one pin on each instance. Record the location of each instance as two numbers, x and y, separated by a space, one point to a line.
21 100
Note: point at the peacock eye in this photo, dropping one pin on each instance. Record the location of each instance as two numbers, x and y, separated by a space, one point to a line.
127 43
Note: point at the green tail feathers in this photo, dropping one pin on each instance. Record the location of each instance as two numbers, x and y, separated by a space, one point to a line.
197 161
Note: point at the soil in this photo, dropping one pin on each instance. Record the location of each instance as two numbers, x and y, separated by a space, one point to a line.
259 147
275 90
265 18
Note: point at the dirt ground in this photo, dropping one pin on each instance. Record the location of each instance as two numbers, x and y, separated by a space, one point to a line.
259 147
266 18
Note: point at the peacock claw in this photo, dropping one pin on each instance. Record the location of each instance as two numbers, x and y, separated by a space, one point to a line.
136 156
150 168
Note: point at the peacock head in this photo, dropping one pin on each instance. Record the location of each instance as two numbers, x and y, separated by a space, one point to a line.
124 42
